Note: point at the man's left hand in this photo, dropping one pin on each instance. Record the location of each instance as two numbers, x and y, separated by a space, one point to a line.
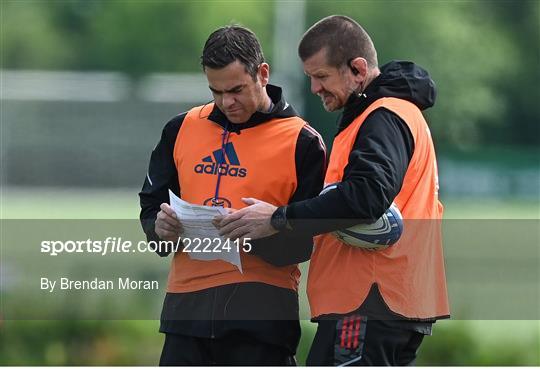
251 222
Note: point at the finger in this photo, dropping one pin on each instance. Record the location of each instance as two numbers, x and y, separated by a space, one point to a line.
219 218
168 210
166 226
166 235
231 218
250 200
225 230
216 222
165 217
239 233
232 226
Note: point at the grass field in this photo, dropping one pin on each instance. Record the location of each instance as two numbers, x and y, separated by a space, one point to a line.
38 203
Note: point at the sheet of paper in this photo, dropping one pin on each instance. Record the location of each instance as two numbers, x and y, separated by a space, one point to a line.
198 228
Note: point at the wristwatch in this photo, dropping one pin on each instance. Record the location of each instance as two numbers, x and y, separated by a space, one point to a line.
279 219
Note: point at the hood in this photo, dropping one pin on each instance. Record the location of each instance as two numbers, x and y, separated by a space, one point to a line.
405 80
401 79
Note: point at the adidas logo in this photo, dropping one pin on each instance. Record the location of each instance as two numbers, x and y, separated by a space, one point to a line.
225 165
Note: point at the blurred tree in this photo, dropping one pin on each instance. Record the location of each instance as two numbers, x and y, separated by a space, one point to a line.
29 39
484 56
520 82
465 49
136 37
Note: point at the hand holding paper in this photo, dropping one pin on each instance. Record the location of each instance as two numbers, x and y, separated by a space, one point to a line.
168 226
196 223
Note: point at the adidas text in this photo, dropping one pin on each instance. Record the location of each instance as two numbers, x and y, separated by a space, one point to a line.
224 170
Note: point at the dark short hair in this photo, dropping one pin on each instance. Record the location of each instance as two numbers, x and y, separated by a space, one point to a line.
343 39
230 43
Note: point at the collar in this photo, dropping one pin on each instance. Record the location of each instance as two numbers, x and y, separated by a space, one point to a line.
357 103
281 109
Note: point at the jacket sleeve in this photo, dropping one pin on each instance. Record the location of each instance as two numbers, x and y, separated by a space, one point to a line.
372 178
288 247
161 176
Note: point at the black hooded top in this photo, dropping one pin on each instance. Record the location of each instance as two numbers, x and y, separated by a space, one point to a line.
216 312
374 174
380 156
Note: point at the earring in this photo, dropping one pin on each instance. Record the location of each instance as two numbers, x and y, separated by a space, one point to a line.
361 93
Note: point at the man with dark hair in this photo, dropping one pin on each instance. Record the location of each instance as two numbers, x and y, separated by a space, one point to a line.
248 141
372 307
237 43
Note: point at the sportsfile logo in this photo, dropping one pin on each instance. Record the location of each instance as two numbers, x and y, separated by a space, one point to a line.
226 165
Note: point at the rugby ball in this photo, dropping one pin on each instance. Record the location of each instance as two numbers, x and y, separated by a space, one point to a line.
379 235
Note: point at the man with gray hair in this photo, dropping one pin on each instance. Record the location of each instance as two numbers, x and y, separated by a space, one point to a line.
372 307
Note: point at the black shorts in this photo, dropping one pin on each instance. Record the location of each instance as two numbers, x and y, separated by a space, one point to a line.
354 340
234 348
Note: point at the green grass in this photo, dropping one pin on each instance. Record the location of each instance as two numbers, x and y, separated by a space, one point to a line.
38 203
490 338
491 209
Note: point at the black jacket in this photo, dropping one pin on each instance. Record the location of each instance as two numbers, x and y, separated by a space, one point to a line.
374 174
213 312
379 158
